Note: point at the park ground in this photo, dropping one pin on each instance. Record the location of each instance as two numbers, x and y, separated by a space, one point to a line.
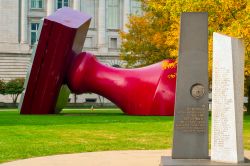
83 130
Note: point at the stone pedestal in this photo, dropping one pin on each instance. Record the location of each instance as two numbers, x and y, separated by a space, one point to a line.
168 161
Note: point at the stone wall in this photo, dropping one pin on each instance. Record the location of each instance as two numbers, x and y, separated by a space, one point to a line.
13 66
9 18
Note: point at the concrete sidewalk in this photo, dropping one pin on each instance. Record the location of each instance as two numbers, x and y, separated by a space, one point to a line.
105 158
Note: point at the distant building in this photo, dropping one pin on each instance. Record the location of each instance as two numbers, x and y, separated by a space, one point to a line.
19 23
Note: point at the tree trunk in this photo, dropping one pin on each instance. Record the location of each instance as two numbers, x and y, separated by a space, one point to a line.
75 98
14 98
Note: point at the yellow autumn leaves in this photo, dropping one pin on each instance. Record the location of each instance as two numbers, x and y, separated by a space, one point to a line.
154 36
168 65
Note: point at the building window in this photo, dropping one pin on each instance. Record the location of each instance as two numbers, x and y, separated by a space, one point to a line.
136 7
113 14
89 7
113 43
62 3
36 4
34 33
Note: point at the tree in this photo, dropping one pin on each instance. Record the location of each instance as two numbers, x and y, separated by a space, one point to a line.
154 35
14 88
2 87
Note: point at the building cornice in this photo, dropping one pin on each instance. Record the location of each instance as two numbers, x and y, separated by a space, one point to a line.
15 48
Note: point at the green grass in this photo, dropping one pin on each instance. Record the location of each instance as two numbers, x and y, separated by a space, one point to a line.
72 131
24 136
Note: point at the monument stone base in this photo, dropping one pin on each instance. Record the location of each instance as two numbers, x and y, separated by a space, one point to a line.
168 161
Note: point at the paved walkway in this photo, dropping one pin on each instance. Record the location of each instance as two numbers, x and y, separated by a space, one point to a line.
106 158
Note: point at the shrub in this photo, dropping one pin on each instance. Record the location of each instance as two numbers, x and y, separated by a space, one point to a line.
2 87
14 88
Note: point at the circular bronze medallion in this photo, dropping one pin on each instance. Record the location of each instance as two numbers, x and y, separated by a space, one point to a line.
197 91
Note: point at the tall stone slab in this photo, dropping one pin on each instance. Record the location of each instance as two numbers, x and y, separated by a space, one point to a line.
227 99
191 102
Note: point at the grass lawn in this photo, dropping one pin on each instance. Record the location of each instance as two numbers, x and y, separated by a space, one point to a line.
72 131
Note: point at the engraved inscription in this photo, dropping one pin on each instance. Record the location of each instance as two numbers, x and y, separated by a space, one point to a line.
192 120
222 100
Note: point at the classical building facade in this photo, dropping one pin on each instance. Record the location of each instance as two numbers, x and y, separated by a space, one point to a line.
19 23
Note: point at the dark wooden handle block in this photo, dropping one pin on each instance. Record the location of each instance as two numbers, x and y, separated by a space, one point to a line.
62 37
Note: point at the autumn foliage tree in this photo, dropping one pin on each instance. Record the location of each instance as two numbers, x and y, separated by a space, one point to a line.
154 35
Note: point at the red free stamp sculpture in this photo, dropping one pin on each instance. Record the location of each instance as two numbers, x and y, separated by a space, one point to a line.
58 60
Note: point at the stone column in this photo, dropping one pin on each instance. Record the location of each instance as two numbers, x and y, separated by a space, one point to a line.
126 12
24 21
50 7
102 46
77 5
